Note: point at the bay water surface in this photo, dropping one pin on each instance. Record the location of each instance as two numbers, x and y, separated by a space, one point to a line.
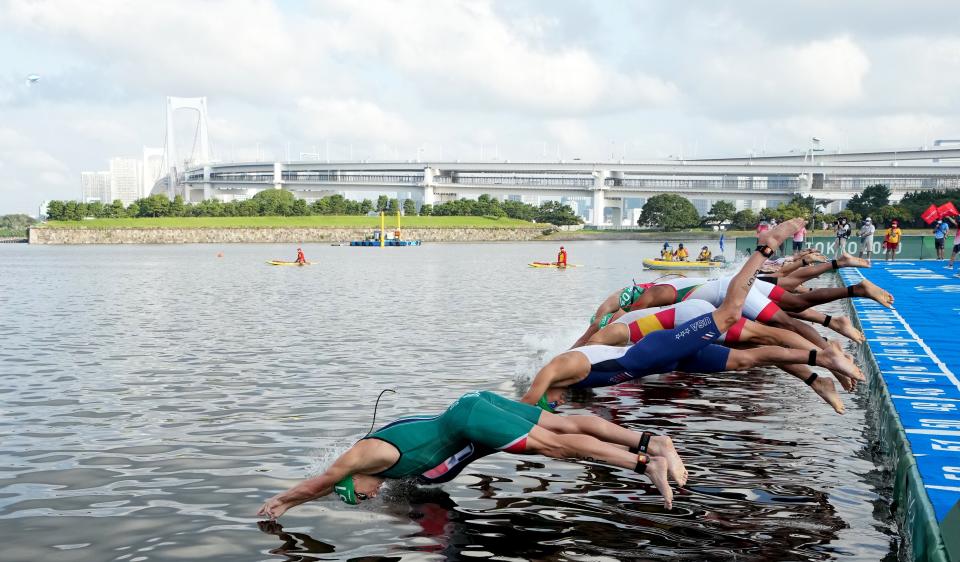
154 396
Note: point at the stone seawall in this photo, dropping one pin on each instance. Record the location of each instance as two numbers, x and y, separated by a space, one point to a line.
267 235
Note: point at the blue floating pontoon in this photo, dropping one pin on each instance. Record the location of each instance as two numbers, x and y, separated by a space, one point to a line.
913 353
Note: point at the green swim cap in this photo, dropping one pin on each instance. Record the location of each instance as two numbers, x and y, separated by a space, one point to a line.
344 489
546 406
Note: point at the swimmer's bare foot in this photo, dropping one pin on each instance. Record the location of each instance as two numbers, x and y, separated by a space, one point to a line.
833 358
776 235
662 446
847 383
847 260
867 289
843 326
657 473
826 390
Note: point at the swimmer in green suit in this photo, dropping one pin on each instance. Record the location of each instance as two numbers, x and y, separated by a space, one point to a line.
411 447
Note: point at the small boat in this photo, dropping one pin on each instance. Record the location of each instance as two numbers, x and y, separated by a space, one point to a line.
552 264
651 263
278 262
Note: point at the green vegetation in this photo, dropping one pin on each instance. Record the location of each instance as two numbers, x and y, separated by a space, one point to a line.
15 226
669 212
329 221
721 213
282 203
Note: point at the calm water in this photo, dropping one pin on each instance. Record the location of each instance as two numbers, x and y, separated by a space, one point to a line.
153 396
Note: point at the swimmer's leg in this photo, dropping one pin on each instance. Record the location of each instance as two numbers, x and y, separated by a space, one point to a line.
782 320
611 334
760 334
824 387
865 289
831 358
584 447
839 324
729 311
657 446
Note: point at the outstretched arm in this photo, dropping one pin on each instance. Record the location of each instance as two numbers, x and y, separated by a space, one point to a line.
364 457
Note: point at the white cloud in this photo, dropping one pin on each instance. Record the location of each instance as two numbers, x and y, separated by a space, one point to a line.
386 78
463 53
350 119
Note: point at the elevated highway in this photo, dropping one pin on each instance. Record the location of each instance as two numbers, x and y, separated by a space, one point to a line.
614 186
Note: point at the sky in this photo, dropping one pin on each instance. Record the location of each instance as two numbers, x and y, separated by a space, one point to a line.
520 80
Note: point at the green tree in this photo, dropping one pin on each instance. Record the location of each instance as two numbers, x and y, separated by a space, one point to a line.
154 206
721 212
115 210
885 214
519 210
273 203
669 212
94 209
870 201
299 208
409 207
555 212
393 206
72 211
177 207
745 220
56 210
426 210
382 203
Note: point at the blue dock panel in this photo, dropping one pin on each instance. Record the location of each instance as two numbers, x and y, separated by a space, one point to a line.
916 346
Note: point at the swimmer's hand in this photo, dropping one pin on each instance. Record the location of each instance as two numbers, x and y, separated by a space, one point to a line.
275 507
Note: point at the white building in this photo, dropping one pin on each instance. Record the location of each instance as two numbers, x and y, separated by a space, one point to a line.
95 186
150 169
125 179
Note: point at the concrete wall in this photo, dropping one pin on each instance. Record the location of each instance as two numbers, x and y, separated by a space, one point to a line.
267 235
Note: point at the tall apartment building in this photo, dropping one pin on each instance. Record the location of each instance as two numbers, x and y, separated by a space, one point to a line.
125 179
95 187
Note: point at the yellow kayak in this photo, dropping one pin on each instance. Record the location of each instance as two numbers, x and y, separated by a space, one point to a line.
278 262
650 263
552 264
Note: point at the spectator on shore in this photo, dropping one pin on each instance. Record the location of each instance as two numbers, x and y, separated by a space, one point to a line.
843 233
940 231
891 241
956 244
798 239
866 238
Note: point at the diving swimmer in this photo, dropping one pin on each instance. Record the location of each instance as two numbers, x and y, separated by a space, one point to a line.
410 447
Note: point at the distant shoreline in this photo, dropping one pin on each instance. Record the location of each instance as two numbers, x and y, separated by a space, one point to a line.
268 235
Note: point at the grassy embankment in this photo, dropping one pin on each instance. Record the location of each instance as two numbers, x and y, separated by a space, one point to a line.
316 221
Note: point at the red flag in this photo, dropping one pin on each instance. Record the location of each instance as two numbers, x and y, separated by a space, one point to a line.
947 210
931 214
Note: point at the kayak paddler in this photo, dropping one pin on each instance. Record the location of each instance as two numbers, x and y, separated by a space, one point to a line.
301 259
562 258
